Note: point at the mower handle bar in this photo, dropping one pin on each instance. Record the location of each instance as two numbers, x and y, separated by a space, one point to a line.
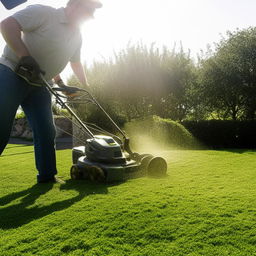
70 89
53 91
48 86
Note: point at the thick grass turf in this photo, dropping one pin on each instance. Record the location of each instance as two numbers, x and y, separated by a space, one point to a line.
205 206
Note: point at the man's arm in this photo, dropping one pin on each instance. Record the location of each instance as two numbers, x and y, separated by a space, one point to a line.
11 31
78 70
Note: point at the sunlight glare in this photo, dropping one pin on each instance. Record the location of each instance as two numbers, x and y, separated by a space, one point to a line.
163 22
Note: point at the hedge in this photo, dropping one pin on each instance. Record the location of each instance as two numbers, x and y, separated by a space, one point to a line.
224 134
155 133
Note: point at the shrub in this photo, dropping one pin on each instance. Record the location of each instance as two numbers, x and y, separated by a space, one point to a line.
160 133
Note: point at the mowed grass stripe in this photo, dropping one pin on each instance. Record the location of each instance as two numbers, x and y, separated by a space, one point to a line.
205 206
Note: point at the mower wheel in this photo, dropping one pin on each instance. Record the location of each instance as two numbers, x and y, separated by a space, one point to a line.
74 173
145 159
157 167
95 173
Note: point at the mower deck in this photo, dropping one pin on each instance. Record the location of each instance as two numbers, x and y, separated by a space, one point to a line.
84 168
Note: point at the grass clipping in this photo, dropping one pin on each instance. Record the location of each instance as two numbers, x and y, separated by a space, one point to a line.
154 133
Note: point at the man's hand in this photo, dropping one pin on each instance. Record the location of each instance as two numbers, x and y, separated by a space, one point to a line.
29 69
30 64
70 92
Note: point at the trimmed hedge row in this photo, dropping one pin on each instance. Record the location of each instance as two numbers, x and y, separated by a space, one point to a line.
155 133
224 134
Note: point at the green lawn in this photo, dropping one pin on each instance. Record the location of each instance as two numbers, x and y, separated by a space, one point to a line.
206 206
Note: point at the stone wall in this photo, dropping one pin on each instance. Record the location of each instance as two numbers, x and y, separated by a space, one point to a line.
21 128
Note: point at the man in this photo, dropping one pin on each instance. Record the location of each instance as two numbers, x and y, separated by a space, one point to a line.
40 39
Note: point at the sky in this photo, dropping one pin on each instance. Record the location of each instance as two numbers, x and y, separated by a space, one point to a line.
195 23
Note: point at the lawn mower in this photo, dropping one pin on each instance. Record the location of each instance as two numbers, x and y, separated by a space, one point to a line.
103 157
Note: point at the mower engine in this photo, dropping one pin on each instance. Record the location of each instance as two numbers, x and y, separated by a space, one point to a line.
103 159
104 149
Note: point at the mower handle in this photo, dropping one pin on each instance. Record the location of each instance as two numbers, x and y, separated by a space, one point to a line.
50 89
53 91
69 89
72 89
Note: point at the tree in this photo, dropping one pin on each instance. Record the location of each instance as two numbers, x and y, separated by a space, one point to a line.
142 80
228 77
180 75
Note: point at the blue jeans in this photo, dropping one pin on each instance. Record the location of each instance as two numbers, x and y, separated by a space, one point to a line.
36 103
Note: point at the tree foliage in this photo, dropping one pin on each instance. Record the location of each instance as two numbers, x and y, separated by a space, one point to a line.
139 81
228 77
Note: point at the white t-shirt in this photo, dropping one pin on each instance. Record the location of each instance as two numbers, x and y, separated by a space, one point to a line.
48 37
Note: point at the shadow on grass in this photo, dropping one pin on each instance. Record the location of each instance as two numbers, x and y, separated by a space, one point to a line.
16 154
16 215
9 146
